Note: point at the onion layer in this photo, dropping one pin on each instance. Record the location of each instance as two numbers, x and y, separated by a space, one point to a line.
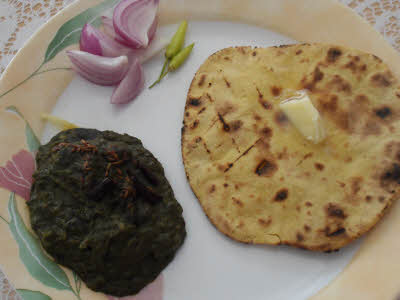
98 43
136 21
98 69
130 86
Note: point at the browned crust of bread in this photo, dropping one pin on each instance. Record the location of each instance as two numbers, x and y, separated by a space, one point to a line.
324 247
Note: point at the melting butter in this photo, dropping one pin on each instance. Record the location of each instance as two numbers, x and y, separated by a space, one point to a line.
304 116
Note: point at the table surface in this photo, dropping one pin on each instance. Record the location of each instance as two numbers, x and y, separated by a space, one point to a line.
19 19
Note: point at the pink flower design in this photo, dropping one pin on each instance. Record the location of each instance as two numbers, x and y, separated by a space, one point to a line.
153 291
16 176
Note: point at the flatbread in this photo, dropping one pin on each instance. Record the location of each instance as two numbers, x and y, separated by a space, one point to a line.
258 179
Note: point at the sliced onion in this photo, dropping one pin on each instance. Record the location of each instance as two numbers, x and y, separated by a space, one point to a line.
136 21
130 86
153 29
109 30
156 46
98 43
98 69
108 26
90 41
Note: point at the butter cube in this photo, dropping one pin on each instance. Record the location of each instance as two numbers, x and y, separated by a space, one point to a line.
304 116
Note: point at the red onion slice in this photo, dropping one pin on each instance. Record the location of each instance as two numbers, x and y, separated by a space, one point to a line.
136 21
130 86
98 69
108 25
109 30
156 46
153 29
98 43
90 40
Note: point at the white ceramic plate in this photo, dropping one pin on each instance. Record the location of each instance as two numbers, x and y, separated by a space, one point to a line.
209 266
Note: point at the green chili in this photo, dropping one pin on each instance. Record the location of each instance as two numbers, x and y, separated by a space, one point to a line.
177 41
174 46
164 68
176 62
180 58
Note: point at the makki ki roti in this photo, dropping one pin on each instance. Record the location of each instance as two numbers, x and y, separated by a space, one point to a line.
101 205
258 179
